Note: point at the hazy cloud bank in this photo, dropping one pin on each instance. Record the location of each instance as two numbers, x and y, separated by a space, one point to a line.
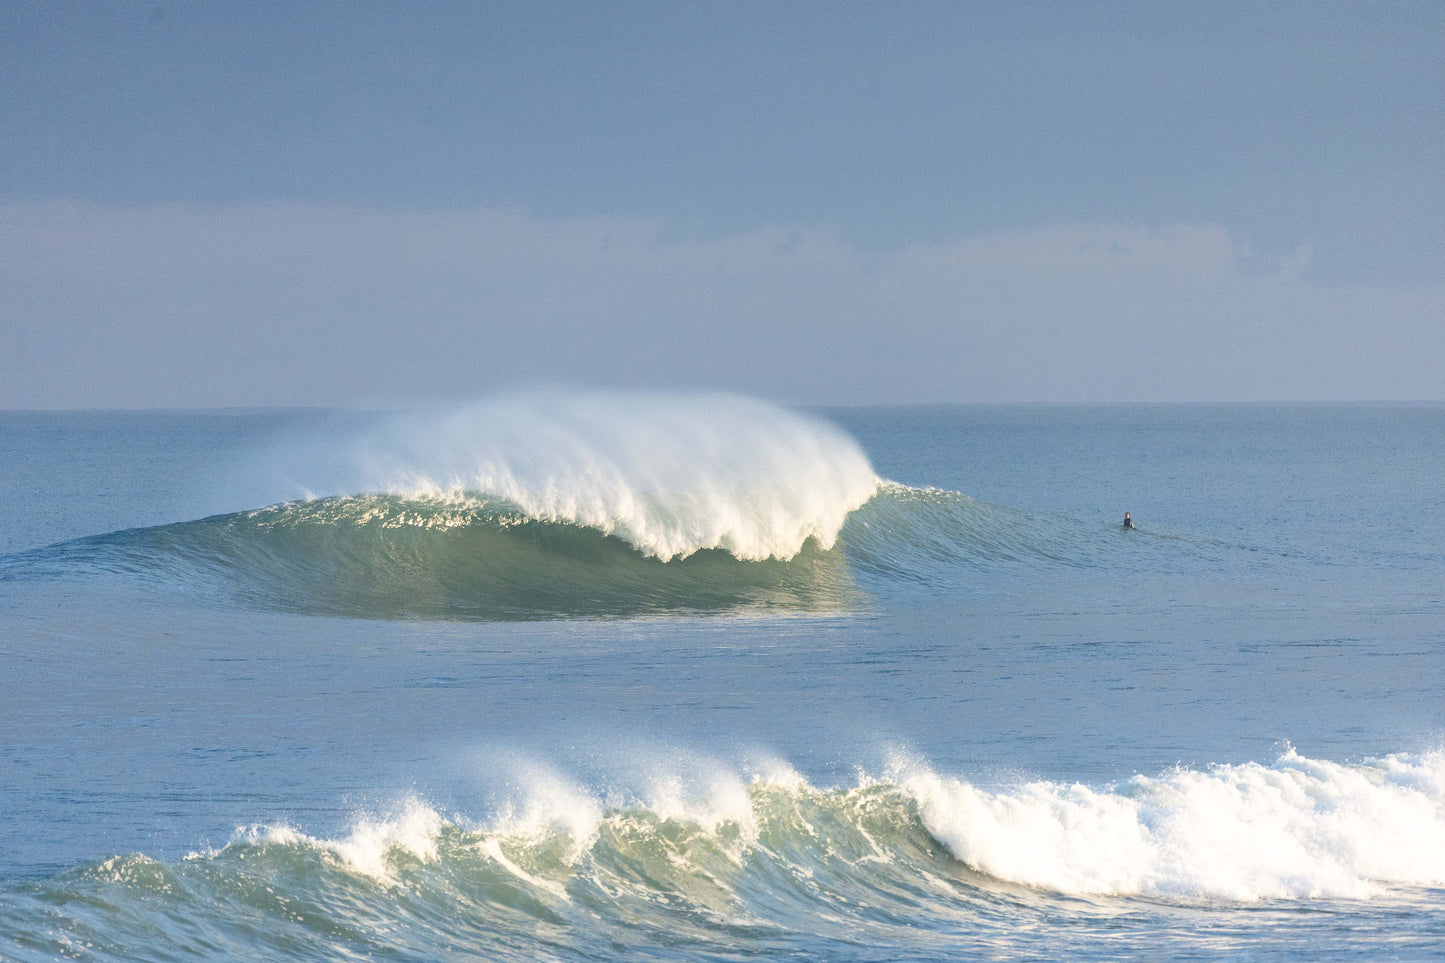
301 303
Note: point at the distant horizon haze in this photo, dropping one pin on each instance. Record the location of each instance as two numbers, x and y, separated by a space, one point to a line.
821 204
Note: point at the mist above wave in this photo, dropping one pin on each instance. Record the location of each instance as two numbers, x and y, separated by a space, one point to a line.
670 474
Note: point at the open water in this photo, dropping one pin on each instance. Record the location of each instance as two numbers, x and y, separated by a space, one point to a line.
572 676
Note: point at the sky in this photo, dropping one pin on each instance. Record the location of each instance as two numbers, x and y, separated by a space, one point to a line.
234 204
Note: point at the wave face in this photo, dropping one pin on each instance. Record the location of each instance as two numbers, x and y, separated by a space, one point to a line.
469 556
732 863
384 556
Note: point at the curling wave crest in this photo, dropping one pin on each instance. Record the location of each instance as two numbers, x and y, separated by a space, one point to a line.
670 475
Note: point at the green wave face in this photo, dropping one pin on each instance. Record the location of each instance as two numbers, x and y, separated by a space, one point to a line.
476 557
388 557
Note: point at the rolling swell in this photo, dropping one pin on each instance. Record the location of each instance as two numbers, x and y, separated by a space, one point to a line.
929 534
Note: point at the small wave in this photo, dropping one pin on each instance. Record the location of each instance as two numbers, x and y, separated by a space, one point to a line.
1297 828
924 533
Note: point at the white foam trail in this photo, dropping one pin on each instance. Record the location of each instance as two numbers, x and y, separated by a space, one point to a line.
692 790
550 804
721 800
374 840
671 474
1299 828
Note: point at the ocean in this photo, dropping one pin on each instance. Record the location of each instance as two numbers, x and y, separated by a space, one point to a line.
567 675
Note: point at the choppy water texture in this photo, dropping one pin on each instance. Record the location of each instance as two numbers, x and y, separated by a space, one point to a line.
580 676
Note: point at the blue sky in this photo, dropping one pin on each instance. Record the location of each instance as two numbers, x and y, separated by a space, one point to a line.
252 203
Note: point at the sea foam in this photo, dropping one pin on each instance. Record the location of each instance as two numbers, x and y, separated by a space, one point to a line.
671 474
1299 828
1296 829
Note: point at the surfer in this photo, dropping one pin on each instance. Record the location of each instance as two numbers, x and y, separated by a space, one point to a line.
1128 522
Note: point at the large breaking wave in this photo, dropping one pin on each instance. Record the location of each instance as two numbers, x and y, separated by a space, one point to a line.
670 475
572 504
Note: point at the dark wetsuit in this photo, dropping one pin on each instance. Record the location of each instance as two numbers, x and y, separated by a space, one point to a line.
1128 522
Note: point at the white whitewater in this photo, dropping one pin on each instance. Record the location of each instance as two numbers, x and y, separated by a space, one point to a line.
1298 828
671 474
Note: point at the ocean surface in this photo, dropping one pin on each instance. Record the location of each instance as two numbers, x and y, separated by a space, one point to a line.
577 676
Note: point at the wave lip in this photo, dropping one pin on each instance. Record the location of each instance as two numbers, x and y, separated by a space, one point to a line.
670 475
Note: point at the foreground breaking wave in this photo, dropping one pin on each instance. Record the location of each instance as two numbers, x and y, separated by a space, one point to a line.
736 863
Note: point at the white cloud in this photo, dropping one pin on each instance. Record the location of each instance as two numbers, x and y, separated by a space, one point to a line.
323 304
